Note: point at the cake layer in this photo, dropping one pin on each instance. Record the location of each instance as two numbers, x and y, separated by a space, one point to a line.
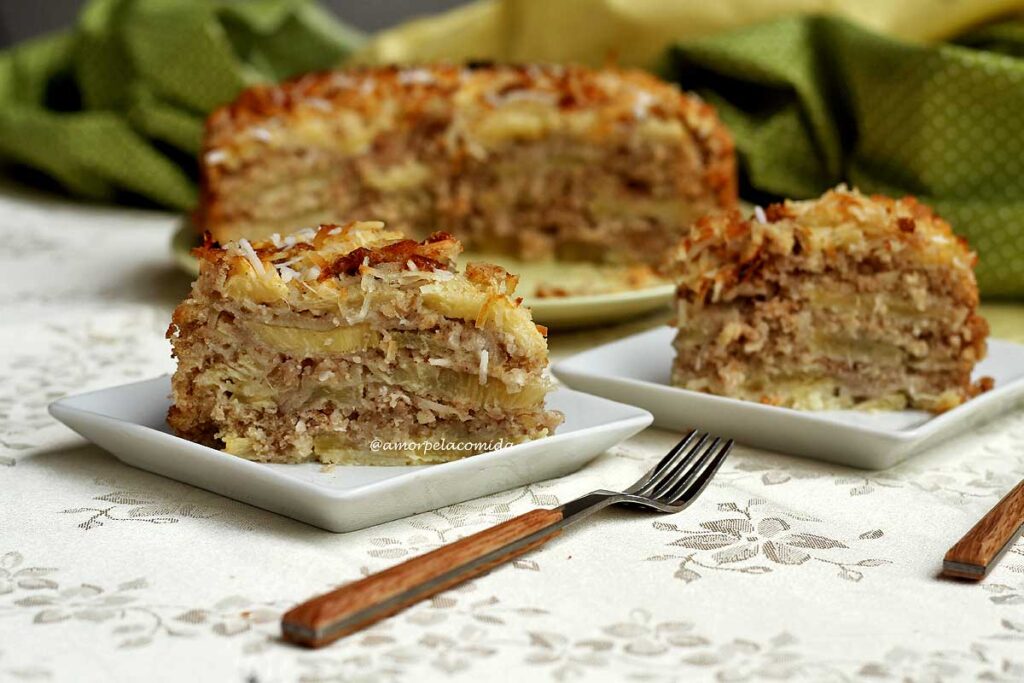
264 397
334 438
829 387
267 379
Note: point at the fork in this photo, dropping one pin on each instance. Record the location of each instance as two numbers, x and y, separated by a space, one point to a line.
670 486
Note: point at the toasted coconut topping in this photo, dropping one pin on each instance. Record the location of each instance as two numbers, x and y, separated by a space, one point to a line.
724 250
333 255
492 276
617 93
251 256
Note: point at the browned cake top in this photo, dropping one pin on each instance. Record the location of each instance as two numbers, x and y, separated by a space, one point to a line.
346 268
724 250
616 94
331 251
325 254
480 107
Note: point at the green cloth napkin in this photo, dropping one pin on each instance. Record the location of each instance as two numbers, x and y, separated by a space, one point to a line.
117 104
814 101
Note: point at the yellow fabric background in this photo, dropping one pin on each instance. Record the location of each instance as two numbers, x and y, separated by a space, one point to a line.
637 32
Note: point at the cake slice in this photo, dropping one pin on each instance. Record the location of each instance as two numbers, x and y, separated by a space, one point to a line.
846 301
534 162
349 344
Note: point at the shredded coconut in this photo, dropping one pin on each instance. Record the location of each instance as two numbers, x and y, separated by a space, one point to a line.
440 362
717 290
287 274
483 366
216 156
311 274
365 308
304 235
260 134
642 104
539 97
318 103
341 80
438 408
411 76
251 255
760 215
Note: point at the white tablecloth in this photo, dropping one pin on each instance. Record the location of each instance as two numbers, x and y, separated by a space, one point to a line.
785 569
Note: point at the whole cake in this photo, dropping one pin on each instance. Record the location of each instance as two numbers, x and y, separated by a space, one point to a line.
534 162
348 344
839 302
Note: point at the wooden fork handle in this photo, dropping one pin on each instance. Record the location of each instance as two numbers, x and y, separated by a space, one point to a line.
357 605
976 553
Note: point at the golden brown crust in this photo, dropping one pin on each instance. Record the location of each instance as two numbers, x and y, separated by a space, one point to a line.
724 250
436 252
424 98
613 92
331 252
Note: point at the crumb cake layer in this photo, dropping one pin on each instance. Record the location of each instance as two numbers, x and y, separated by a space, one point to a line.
839 302
536 162
317 345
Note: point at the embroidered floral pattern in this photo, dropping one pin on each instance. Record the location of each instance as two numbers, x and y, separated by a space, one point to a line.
756 540
134 621
440 527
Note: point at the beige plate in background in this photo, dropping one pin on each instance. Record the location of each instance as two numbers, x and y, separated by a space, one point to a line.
594 295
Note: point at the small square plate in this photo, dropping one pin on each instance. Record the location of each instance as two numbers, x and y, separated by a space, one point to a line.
129 421
636 370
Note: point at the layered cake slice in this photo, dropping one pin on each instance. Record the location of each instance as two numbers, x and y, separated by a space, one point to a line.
843 301
534 162
349 344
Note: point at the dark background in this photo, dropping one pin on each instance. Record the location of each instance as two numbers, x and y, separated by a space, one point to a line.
20 19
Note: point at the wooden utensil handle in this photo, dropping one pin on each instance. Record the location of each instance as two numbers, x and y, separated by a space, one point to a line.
976 553
355 606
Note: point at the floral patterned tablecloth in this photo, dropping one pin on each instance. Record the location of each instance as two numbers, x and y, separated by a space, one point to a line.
785 569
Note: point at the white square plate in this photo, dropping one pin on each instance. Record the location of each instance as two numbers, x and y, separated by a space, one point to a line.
129 421
636 370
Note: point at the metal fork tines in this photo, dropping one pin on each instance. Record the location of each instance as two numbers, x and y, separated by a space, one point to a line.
670 486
